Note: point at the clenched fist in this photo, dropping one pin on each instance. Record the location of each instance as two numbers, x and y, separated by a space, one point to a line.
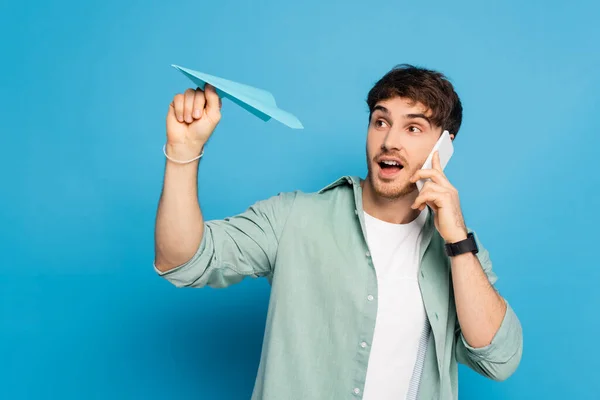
192 118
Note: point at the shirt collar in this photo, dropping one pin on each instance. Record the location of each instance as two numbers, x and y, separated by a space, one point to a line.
344 180
355 181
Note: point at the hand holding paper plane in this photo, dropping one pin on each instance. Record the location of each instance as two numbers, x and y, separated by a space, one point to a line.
258 101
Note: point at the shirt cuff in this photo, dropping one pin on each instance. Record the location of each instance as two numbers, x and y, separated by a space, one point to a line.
504 345
188 273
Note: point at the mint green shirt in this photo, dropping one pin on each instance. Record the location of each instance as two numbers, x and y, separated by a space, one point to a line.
312 249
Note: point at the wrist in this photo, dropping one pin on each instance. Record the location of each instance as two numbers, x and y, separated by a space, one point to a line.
184 151
459 247
457 236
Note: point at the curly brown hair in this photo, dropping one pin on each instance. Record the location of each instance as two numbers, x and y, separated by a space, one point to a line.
431 88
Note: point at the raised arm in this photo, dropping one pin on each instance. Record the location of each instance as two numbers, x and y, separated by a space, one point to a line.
191 119
192 252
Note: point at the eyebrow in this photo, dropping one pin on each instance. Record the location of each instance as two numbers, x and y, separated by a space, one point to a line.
422 116
382 109
407 116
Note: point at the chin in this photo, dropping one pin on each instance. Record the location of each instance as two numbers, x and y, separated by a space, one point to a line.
392 189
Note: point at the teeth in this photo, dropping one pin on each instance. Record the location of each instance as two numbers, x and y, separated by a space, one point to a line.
390 162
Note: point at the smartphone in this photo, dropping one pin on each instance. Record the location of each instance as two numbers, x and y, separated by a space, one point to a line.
445 148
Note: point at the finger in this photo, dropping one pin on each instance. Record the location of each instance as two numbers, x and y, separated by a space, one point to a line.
421 202
189 105
435 161
433 174
171 113
213 109
178 106
199 101
432 198
434 194
432 186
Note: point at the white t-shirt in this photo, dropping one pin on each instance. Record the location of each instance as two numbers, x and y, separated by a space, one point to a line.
401 319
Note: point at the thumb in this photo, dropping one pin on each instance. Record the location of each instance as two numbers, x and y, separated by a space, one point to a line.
213 103
435 161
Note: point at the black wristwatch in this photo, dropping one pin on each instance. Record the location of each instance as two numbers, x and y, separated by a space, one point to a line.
464 246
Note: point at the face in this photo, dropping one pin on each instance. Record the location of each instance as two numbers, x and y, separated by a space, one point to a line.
399 139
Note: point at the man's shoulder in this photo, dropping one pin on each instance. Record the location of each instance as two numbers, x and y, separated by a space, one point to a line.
341 183
335 193
331 191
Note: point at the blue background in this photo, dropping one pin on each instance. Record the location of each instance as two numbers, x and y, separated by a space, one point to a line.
84 93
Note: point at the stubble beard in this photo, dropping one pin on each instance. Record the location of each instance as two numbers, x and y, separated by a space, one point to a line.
391 190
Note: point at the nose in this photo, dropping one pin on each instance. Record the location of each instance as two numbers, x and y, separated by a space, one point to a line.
392 141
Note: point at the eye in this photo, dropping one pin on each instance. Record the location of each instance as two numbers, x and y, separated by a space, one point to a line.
414 129
380 123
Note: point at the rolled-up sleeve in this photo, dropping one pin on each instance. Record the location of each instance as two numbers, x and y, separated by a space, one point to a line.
237 247
500 359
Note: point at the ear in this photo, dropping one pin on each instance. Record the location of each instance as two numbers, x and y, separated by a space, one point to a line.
452 136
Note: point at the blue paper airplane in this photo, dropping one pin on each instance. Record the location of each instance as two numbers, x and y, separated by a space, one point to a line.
258 101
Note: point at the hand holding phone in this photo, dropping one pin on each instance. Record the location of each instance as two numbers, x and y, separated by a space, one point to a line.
445 148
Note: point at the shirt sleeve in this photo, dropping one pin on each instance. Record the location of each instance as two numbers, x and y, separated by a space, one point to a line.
237 247
500 359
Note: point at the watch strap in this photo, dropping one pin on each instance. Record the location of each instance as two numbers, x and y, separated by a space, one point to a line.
468 245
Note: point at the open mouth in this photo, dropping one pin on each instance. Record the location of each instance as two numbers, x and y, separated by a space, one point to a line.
390 167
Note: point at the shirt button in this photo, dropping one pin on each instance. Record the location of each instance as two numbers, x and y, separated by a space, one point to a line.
422 274
363 344
370 297
356 212
368 254
356 390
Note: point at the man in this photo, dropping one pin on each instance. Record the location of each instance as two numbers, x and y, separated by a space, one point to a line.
367 300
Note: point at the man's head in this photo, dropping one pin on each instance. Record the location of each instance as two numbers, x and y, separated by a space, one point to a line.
409 108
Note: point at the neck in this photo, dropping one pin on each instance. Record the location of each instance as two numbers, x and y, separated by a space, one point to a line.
395 211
